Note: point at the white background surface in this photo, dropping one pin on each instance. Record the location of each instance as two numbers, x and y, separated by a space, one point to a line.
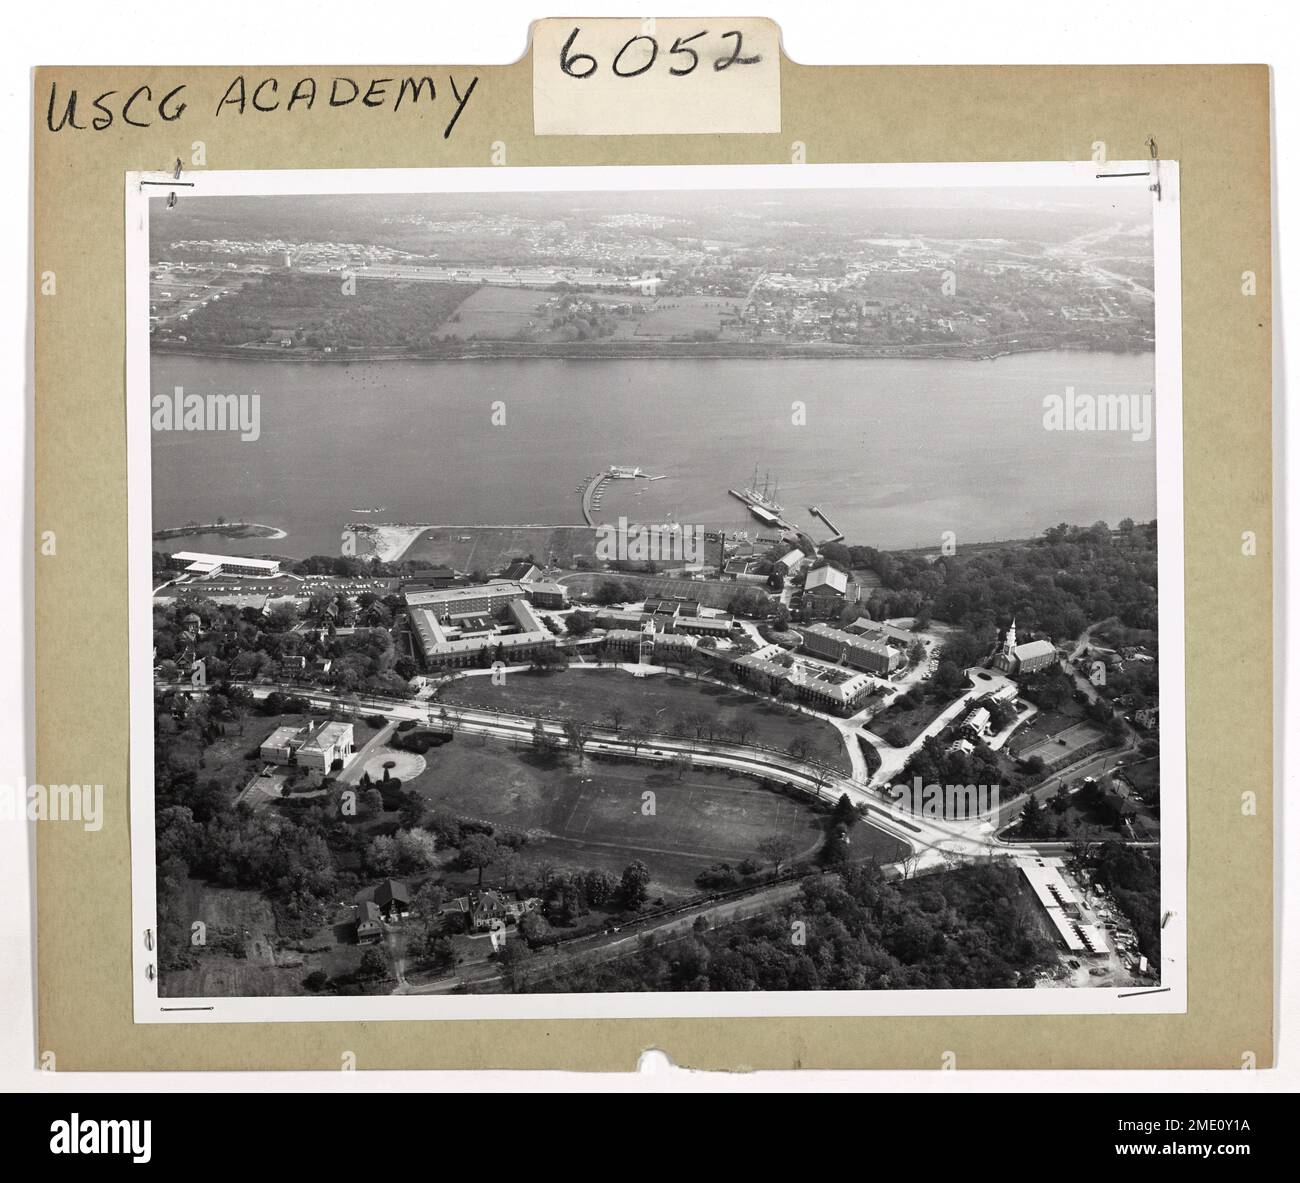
939 32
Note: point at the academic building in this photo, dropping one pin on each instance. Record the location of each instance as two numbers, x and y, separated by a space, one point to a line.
863 653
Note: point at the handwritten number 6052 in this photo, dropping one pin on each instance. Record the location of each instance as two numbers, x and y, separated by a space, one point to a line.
584 65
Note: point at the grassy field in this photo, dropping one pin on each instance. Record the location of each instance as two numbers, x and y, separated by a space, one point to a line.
696 708
490 548
712 593
912 722
493 312
592 817
680 316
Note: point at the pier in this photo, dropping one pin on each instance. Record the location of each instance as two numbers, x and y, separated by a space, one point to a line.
838 534
593 487
766 516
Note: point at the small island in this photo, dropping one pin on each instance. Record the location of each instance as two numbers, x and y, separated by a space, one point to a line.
222 527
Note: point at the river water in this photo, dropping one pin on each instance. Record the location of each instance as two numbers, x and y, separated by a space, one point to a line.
895 452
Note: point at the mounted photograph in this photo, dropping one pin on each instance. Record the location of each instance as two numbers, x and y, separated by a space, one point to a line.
656 591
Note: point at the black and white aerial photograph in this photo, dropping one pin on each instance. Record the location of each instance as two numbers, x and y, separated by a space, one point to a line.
720 581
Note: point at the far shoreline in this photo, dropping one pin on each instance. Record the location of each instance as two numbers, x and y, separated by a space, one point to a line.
669 351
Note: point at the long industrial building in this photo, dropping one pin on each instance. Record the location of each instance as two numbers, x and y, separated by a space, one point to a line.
196 563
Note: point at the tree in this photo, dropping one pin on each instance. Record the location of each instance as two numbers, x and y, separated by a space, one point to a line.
845 813
374 963
600 887
543 740
440 952
635 884
381 856
637 736
777 849
1031 817
578 624
578 734
617 716
478 850
427 904
610 592
533 927
742 729
372 802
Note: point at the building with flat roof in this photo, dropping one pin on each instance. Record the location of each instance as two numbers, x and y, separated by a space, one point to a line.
619 618
546 594
443 602
442 645
704 626
1063 909
197 563
834 644
309 746
878 630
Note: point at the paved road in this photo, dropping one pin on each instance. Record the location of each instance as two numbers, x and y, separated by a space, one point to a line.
931 841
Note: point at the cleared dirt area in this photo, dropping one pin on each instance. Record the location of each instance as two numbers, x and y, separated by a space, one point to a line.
234 918
490 548
667 704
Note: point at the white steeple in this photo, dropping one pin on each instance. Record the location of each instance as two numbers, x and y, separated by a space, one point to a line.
1011 638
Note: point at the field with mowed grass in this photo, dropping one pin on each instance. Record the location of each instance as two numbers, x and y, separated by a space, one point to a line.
592 816
665 703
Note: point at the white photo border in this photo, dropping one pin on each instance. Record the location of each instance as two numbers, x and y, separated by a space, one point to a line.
1170 997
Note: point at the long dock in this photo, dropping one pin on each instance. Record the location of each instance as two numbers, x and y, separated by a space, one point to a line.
589 492
838 534
777 519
